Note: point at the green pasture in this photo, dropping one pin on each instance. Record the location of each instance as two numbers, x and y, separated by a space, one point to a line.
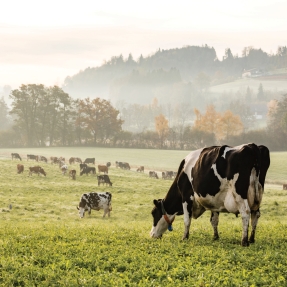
43 242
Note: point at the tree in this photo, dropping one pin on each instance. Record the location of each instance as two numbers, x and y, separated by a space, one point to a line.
229 125
207 122
4 115
260 94
202 81
161 126
99 117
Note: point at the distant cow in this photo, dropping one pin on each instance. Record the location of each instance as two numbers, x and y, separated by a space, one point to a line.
96 201
168 174
90 160
82 166
104 179
103 168
72 174
64 169
87 170
153 174
108 164
42 158
32 156
16 156
71 160
140 169
74 160
36 169
20 168
284 186
126 165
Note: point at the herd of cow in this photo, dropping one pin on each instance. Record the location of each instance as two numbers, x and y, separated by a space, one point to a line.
218 179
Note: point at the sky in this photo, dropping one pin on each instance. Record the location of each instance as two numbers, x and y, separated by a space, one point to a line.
43 42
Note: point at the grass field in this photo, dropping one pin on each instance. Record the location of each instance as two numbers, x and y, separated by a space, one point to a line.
43 242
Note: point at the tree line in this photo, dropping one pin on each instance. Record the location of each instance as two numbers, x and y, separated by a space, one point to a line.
47 116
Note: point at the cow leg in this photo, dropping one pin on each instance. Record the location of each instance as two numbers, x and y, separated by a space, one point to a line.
214 219
187 214
255 214
245 214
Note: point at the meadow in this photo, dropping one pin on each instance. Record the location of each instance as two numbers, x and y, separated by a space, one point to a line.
43 242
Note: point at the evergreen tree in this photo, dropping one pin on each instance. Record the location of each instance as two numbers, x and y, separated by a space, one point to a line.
260 94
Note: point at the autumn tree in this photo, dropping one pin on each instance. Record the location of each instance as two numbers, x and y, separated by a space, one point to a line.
207 122
161 126
99 117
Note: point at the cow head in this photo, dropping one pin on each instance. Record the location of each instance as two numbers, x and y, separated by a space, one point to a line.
161 220
41 170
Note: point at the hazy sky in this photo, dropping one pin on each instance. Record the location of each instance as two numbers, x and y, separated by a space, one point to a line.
45 41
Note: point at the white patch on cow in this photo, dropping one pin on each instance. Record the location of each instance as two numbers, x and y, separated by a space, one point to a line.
190 162
227 149
191 197
216 172
186 215
161 227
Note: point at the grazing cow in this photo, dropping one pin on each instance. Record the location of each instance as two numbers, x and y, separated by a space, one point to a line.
20 168
88 170
108 164
219 179
153 174
96 201
71 160
36 169
72 174
104 178
140 169
103 168
125 165
64 169
82 166
61 163
16 156
90 160
42 158
32 156
284 186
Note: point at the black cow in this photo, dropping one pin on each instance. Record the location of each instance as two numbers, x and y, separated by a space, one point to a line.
82 166
104 179
219 179
153 174
96 201
108 164
42 158
90 160
88 170
32 156
16 156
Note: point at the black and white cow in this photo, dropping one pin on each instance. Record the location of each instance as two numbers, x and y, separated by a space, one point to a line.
96 201
16 156
87 170
104 179
219 179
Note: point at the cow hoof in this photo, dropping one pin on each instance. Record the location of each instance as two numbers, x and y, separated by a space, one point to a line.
215 237
244 243
251 241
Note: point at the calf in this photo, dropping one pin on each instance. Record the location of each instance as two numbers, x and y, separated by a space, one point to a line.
153 174
64 169
140 169
20 168
36 169
88 170
72 174
103 168
90 160
104 179
16 156
96 201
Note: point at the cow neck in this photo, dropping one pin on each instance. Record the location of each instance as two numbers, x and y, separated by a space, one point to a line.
172 201
169 222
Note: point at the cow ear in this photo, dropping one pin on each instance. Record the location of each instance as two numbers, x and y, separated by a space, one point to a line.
156 203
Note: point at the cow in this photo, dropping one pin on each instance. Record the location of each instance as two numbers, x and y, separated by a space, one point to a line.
71 160
72 174
125 165
104 178
219 179
42 158
168 174
82 166
32 156
96 201
20 168
284 186
90 160
60 163
153 174
140 169
88 170
108 164
103 168
36 169
16 156
64 169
